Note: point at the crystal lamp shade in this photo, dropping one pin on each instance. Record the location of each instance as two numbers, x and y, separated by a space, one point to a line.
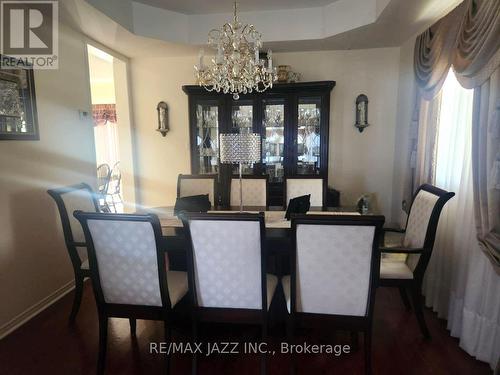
239 148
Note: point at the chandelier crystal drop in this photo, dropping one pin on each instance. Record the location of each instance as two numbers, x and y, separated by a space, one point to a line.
236 68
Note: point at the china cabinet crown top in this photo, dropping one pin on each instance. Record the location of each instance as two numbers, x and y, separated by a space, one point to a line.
277 87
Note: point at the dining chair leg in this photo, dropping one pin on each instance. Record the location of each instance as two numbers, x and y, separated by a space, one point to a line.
113 203
354 341
168 340
194 333
106 206
404 297
290 328
368 351
103 340
78 297
263 356
419 312
133 326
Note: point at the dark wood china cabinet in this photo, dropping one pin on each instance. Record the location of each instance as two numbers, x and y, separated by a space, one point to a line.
292 119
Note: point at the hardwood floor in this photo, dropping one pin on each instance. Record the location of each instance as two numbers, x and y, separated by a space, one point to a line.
48 345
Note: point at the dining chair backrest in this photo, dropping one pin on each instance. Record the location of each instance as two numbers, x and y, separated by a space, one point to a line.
296 187
335 264
254 191
422 221
227 269
70 199
126 261
115 179
188 185
103 176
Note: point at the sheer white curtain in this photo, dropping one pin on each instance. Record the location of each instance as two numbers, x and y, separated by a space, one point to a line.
106 143
460 283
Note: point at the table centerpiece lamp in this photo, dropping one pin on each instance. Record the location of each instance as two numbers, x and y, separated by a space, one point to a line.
239 149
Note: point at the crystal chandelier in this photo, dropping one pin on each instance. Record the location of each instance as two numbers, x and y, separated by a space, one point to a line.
236 68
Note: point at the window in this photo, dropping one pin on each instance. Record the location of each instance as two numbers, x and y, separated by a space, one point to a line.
453 151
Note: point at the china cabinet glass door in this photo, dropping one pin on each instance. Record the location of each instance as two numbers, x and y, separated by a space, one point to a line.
308 136
207 137
273 138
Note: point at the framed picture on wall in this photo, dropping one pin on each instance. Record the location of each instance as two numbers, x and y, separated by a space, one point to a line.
18 115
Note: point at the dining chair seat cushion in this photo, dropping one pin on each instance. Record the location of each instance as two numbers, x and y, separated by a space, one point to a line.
395 270
177 283
85 265
177 286
272 282
392 239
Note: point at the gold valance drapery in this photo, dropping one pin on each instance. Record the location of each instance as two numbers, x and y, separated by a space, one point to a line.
468 39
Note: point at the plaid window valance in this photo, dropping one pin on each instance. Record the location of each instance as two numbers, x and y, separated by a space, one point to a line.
102 113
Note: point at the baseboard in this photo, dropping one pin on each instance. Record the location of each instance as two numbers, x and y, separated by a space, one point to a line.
34 310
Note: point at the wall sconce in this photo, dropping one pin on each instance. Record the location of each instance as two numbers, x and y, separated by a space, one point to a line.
361 112
163 127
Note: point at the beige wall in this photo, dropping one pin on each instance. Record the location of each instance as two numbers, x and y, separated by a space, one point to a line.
406 103
359 162
103 93
126 135
160 159
101 71
33 259
355 159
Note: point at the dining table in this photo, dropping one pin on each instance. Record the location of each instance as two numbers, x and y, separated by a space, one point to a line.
278 232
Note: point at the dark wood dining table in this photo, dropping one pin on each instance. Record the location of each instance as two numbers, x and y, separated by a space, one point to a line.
278 231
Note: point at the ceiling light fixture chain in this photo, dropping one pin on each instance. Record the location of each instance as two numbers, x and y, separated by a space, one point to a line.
237 67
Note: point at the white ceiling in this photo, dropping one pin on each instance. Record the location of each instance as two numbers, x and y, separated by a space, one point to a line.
137 29
399 21
224 6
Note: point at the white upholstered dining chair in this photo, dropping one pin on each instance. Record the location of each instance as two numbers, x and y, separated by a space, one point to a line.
254 191
68 200
188 185
227 270
129 273
334 272
298 186
403 265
